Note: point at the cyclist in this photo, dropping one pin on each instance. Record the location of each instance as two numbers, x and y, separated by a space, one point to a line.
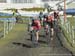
56 16
41 17
49 21
30 22
44 20
36 25
17 16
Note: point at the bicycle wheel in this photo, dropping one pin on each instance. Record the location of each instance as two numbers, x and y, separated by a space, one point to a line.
47 34
33 38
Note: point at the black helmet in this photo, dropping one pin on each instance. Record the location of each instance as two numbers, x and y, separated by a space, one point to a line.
41 13
45 15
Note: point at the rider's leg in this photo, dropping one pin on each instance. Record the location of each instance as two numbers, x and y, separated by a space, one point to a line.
37 35
46 29
31 29
36 39
52 31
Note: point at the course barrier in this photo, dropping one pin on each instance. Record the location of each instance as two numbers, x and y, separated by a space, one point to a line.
69 30
8 24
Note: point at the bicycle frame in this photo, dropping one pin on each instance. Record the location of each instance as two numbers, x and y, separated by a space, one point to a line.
48 33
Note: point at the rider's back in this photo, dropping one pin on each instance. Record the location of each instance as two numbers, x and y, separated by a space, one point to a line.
50 18
56 15
36 24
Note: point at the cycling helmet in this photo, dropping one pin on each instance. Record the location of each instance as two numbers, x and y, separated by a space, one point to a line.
45 15
41 13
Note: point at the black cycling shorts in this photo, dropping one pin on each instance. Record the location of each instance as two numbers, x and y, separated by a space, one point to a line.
50 24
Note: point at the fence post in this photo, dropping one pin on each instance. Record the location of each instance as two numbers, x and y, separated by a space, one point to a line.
73 34
14 21
70 30
67 27
4 29
10 24
7 27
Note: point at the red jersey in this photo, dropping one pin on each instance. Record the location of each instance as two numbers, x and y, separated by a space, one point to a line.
50 18
37 24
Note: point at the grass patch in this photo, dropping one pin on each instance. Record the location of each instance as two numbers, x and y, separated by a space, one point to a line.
33 9
72 22
1 26
13 16
28 9
5 16
13 34
72 5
